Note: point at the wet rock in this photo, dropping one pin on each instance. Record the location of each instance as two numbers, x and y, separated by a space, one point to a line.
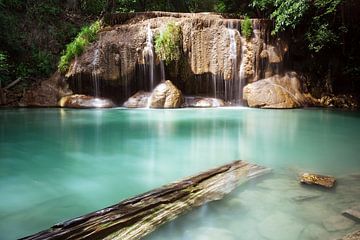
166 95
337 223
280 226
199 102
47 93
352 236
277 92
339 101
138 100
83 101
315 179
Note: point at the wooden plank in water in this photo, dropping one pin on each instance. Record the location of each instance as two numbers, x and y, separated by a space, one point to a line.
138 216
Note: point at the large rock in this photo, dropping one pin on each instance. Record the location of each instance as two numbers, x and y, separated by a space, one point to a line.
83 101
166 95
277 92
47 93
138 100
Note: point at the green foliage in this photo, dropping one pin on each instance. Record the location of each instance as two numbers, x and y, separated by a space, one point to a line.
314 15
43 61
75 48
4 67
319 36
126 5
167 43
246 28
288 14
93 7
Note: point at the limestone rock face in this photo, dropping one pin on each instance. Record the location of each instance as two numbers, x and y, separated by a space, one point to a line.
118 59
166 95
83 101
277 92
138 100
47 93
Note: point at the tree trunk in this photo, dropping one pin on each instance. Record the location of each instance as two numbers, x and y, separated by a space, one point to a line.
136 217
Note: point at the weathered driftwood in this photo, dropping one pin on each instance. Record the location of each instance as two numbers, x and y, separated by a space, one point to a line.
136 217
315 179
353 213
13 83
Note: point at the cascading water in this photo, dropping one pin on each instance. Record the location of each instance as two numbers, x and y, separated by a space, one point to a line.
94 73
233 58
148 53
242 77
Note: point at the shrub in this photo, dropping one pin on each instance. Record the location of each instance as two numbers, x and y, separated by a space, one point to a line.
246 28
75 48
167 43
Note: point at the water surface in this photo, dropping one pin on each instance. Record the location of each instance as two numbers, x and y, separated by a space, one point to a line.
57 164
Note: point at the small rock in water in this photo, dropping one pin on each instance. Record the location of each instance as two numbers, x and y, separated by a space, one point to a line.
84 101
352 236
201 102
315 179
337 223
138 100
353 213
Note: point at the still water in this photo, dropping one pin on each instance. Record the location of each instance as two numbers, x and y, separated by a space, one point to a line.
57 164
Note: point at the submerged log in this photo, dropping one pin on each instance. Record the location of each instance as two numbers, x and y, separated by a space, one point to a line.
138 216
315 179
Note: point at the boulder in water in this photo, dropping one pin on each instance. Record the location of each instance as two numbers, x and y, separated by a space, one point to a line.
83 101
277 92
166 95
202 102
138 100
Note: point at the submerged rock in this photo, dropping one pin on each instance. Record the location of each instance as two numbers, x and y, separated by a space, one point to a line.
138 100
352 236
280 226
337 223
315 179
277 92
202 102
166 95
83 101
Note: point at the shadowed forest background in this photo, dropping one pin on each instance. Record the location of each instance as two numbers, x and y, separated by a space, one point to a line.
323 35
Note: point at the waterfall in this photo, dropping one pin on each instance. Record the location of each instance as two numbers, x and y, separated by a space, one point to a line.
233 86
242 77
94 74
148 53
